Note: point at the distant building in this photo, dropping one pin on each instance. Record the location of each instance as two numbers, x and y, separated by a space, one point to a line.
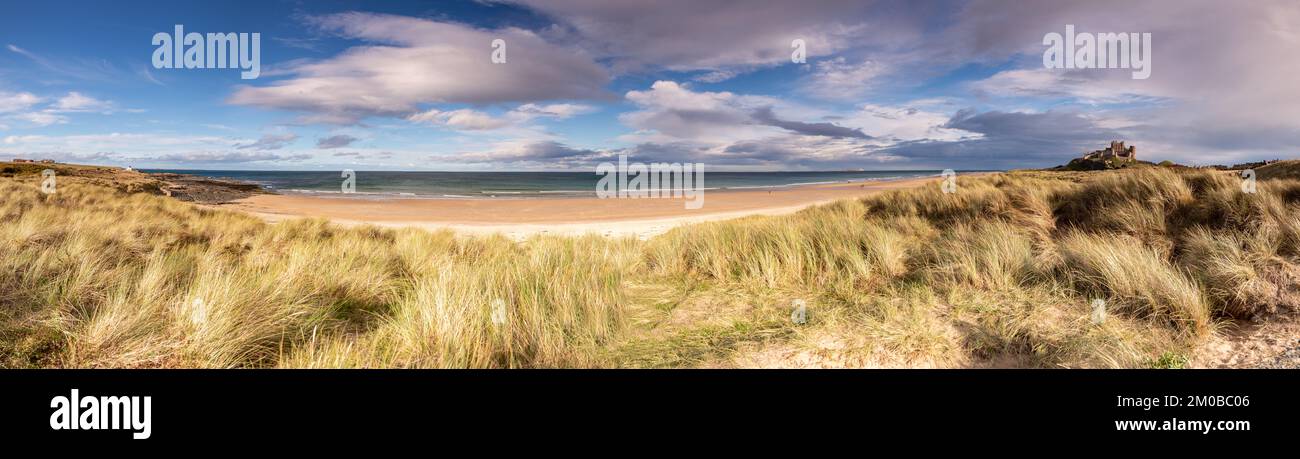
47 161
20 160
1116 151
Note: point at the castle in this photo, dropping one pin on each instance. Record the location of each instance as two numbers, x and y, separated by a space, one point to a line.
1116 150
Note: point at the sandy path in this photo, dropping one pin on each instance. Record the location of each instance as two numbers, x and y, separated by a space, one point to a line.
521 218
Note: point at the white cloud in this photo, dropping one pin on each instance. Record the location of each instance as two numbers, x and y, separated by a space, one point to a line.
473 120
230 157
838 78
465 119
17 101
1089 87
15 106
1214 96
672 112
122 141
142 149
42 119
78 102
417 61
527 153
903 124
270 142
747 131
558 111
719 35
335 141
716 76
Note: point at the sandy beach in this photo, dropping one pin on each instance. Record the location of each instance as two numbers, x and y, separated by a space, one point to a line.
521 218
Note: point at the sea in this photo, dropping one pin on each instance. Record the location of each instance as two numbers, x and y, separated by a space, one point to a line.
516 185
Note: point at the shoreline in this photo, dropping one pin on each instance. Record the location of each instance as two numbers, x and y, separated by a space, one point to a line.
524 217
550 194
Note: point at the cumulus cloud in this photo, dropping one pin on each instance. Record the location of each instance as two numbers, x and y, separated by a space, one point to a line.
669 111
473 120
17 101
777 152
716 76
71 157
133 148
1007 140
336 141
14 106
838 77
78 102
737 129
764 115
269 142
230 157
465 119
1219 95
410 61
360 155
543 153
42 118
1214 95
1218 91
729 129
22 107
793 152
1056 125
720 36
558 111
907 122
551 154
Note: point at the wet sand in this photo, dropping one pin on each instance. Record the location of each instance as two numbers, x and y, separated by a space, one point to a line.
521 218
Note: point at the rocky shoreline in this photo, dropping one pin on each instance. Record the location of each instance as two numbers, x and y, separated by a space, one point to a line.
205 190
190 188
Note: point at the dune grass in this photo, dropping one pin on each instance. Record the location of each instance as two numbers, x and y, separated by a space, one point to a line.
1001 273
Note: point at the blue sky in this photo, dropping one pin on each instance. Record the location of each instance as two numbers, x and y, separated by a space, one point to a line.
411 86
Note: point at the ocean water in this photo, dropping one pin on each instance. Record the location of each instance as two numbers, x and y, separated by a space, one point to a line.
506 185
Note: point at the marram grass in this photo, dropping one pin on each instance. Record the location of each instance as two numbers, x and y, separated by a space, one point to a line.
1001 273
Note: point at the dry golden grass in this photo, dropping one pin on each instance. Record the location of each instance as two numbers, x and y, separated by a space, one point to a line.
1001 273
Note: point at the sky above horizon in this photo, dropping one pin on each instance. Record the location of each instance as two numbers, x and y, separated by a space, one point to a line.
887 85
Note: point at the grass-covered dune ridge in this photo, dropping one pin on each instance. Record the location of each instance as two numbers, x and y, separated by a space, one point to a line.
1001 273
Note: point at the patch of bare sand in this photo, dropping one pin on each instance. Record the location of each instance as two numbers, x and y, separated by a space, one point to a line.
826 349
1264 342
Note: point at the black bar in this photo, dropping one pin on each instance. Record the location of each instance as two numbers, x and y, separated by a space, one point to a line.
287 406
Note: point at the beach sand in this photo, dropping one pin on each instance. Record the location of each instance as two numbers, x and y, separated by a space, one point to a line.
521 218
